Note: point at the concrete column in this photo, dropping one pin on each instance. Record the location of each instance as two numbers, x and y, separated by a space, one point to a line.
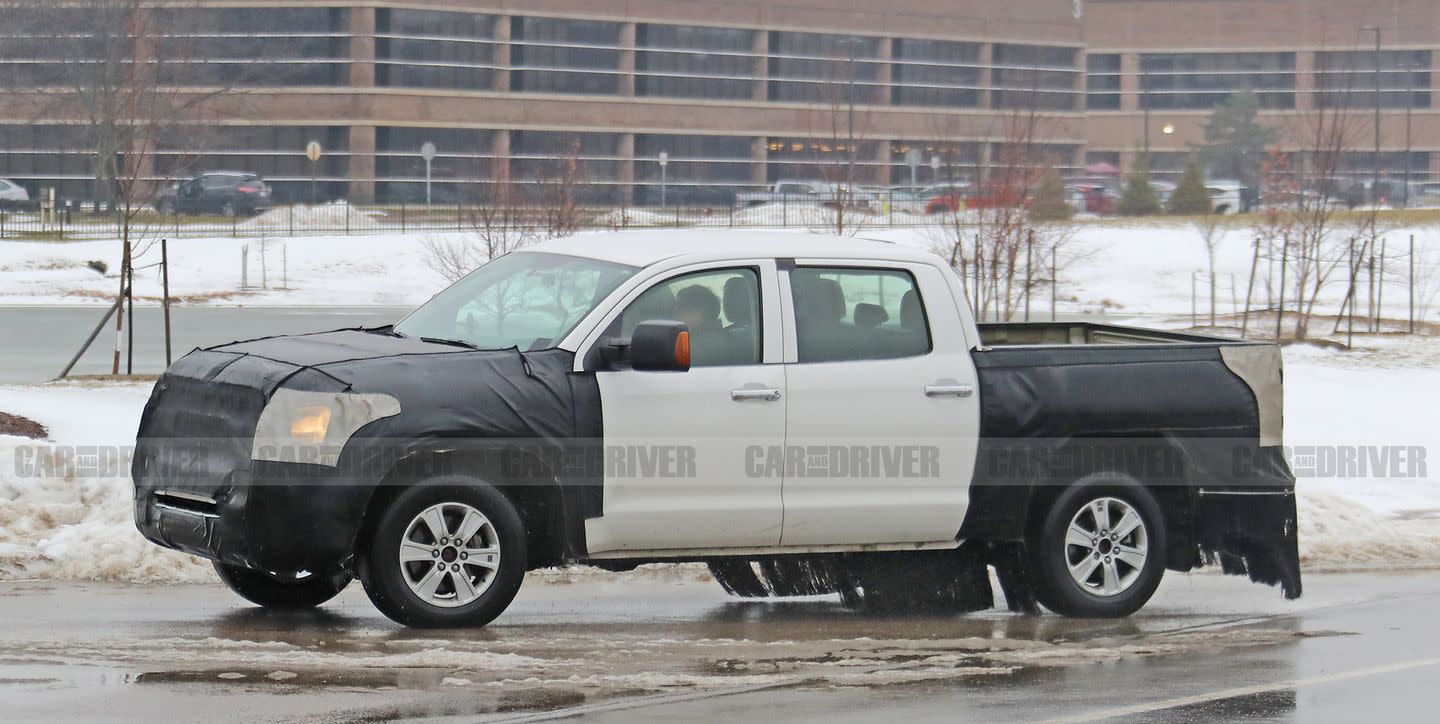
362 163
885 74
987 74
361 141
500 158
362 47
627 60
881 175
1128 159
986 158
759 158
1130 82
760 46
1305 80
500 54
625 169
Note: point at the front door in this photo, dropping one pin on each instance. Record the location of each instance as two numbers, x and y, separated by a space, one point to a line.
883 419
676 443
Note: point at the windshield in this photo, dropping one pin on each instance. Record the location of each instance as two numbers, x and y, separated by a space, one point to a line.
527 300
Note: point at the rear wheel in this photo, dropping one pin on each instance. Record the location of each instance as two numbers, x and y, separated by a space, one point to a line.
263 589
1100 552
448 552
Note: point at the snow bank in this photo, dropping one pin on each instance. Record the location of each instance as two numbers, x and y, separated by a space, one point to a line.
71 525
74 526
337 215
1136 267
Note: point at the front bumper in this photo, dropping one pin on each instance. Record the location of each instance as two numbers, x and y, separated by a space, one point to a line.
275 517
198 491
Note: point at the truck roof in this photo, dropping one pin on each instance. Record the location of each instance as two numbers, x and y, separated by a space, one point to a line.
643 248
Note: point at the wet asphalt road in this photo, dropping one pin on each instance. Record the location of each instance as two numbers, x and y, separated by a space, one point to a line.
674 648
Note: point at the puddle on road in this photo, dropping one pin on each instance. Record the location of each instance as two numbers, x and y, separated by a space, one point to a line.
539 668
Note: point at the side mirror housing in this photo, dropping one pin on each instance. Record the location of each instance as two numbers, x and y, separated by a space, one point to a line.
654 346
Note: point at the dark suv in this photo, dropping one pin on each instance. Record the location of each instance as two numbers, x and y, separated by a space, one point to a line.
228 193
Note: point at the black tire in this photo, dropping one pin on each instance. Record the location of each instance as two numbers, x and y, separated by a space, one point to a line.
1051 557
166 207
265 590
385 577
229 210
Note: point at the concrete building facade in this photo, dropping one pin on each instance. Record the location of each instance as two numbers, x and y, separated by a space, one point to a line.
740 93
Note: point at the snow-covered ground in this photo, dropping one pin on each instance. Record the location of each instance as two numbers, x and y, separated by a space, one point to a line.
78 526
1140 268
75 526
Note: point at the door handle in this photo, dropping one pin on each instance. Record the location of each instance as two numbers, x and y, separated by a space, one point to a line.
755 393
949 390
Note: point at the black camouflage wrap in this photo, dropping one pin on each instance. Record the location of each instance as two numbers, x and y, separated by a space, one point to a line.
198 427
1172 416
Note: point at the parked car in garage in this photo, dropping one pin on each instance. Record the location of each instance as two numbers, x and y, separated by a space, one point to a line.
227 193
12 194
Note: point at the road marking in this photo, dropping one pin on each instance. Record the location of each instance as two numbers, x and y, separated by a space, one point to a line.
620 704
1222 694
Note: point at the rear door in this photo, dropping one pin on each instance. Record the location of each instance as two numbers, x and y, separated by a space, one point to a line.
883 419
677 444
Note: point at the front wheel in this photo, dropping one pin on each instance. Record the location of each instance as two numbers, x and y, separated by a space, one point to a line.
447 552
229 210
262 589
1100 551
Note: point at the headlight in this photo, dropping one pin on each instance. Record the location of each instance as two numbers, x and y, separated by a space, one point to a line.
313 427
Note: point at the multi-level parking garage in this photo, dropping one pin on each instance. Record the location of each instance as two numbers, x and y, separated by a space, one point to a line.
734 93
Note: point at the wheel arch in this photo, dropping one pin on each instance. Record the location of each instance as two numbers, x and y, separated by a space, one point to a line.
525 480
1162 470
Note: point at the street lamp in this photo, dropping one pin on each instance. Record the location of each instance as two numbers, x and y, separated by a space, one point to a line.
1375 164
1145 104
664 159
1409 114
427 152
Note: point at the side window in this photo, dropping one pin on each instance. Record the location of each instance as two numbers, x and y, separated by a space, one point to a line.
856 314
721 308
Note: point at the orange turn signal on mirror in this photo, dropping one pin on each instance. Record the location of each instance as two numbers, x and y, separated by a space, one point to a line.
682 349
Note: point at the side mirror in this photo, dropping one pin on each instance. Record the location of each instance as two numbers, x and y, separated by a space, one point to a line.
655 346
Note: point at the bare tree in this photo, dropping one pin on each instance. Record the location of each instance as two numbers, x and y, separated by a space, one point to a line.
1211 228
1306 224
115 69
499 225
839 134
557 186
1001 254
1427 282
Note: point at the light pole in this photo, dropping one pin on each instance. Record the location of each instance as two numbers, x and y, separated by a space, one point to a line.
1409 114
850 45
664 159
427 152
1375 162
1145 105
313 151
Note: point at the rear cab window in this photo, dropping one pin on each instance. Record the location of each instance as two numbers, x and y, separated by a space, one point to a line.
844 314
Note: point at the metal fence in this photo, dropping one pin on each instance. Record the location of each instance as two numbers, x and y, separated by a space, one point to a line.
346 219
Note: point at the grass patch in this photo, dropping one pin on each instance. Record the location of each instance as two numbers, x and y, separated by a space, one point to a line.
22 427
